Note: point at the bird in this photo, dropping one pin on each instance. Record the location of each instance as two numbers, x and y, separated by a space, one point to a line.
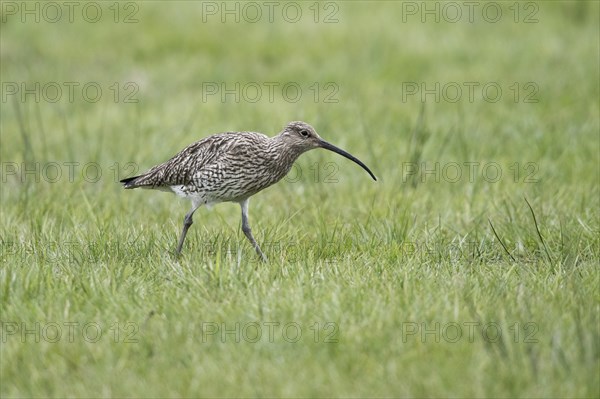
232 167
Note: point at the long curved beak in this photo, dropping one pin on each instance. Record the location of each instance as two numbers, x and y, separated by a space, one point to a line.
331 147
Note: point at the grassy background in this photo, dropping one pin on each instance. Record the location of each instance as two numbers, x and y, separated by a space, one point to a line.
386 269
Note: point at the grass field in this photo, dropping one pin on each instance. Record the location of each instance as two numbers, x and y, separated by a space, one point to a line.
470 268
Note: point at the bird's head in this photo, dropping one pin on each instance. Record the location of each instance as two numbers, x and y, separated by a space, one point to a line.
302 137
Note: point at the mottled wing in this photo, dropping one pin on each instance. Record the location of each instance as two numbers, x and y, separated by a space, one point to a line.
201 166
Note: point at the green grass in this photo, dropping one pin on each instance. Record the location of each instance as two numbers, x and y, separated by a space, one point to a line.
376 276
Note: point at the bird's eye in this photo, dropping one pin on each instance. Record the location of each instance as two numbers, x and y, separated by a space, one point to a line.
304 133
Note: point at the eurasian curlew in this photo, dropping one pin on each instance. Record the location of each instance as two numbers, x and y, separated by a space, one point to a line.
231 167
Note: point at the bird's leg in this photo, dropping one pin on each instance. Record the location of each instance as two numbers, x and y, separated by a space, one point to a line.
248 231
187 222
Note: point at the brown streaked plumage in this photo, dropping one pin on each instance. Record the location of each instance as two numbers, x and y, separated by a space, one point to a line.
231 167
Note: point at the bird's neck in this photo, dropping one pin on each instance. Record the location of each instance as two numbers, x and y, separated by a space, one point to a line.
284 154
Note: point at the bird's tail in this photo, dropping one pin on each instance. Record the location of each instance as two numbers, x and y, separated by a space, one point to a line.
137 181
130 182
150 179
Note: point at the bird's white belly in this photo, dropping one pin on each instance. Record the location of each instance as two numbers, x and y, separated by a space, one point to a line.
199 198
180 191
